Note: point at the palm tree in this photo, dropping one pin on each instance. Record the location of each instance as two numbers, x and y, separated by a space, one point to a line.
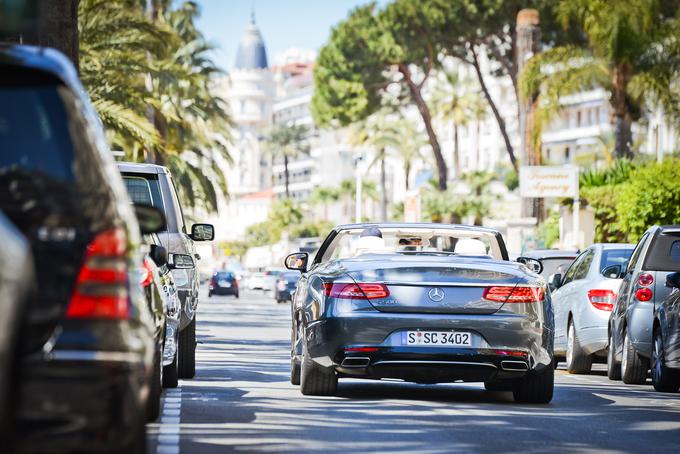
629 45
287 141
324 196
379 131
458 101
479 203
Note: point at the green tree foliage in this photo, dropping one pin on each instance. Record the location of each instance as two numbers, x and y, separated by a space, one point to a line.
370 55
631 52
286 142
149 76
652 196
549 231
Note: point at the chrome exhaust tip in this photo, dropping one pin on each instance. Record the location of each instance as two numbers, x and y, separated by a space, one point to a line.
514 365
356 361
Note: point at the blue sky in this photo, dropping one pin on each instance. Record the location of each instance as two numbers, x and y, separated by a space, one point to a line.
305 24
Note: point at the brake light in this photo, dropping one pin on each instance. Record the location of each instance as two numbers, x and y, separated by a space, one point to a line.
508 294
517 353
645 279
147 272
644 294
602 299
360 349
101 286
357 291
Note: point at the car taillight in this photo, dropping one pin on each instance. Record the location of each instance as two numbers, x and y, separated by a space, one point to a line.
644 294
147 273
235 283
645 279
357 291
508 294
101 285
602 299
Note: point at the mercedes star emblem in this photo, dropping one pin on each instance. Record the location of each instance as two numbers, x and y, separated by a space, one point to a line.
436 294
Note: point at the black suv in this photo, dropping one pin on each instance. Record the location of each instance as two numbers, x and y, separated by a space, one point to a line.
151 184
87 349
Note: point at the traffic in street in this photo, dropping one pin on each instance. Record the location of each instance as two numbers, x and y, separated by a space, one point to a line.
241 400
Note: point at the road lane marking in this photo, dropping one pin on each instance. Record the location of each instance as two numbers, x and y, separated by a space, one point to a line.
169 430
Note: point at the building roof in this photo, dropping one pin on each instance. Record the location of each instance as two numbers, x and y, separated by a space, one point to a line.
252 53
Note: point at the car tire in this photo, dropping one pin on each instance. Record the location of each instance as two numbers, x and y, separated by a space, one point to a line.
137 445
294 372
209 294
578 361
315 380
187 351
236 295
613 366
536 387
498 385
171 374
153 401
665 380
633 366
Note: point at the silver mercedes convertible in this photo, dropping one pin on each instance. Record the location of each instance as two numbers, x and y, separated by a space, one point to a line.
424 303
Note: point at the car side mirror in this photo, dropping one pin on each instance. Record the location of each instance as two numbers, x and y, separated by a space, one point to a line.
202 232
150 219
555 281
180 262
297 261
533 264
158 254
612 272
673 280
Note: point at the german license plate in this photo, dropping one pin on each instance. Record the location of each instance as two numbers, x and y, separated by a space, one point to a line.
438 338
224 283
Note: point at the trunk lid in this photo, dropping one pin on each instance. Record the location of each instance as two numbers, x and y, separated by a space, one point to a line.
440 285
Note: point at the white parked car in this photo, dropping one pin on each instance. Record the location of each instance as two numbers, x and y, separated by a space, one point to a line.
257 281
583 300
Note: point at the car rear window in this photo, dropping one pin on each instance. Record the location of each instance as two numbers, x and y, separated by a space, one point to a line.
224 275
144 190
612 257
664 253
290 277
34 132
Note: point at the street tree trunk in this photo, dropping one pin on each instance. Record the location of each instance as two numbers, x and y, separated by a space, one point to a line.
456 151
494 109
621 118
383 188
57 27
414 89
285 175
407 174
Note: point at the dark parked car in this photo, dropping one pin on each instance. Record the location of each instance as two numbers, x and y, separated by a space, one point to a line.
666 350
223 282
150 184
286 284
631 325
426 303
16 281
88 346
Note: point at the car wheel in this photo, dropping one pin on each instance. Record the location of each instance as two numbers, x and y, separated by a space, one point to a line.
578 361
187 351
171 374
536 387
153 401
613 367
209 294
294 372
633 366
236 295
315 380
498 385
664 379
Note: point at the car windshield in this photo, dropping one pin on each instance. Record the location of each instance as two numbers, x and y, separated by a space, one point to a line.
414 241
664 254
612 257
34 132
555 265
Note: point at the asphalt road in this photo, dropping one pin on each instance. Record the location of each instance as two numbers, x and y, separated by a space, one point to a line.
241 400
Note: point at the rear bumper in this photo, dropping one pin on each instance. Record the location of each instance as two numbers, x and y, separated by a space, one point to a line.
284 295
81 400
640 326
593 340
224 290
432 365
326 340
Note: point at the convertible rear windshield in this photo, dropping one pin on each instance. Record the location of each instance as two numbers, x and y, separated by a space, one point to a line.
664 253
